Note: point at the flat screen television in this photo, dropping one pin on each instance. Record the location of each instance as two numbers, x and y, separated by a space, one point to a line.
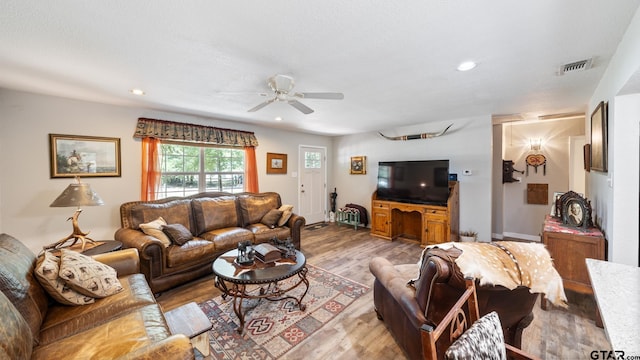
418 182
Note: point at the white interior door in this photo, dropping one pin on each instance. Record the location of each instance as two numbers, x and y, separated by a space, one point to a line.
312 195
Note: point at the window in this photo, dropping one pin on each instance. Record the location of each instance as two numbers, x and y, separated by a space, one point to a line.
312 160
190 169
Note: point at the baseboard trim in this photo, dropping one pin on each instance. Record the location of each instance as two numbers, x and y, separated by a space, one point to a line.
520 236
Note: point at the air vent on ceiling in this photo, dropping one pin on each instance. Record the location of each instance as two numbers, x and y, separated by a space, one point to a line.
576 66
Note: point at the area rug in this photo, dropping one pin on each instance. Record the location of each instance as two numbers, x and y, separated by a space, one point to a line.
273 328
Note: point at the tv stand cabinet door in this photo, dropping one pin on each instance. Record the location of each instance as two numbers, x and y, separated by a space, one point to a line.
436 229
381 219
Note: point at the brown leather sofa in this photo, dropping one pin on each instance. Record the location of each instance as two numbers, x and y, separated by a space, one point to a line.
406 309
126 325
218 221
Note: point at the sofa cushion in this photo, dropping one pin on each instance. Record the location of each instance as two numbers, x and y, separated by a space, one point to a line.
154 228
215 213
483 340
88 276
47 270
18 283
195 252
228 238
63 321
116 338
254 206
173 212
287 211
270 219
177 233
16 341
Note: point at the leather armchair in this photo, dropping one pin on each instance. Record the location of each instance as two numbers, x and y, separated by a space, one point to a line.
405 309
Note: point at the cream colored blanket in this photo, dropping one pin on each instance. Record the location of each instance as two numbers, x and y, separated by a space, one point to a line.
510 264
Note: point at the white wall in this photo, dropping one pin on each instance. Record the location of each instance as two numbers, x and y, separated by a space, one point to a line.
622 159
27 190
520 219
467 145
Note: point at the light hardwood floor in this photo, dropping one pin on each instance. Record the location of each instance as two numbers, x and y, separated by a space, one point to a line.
358 334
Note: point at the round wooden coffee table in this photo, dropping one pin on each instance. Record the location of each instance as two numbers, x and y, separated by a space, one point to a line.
232 279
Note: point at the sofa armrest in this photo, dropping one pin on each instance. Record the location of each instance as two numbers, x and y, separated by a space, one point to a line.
175 347
296 223
126 261
396 285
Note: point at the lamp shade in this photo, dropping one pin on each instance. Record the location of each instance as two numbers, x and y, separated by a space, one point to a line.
77 194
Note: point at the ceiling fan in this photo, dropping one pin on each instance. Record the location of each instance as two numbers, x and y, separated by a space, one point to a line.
282 86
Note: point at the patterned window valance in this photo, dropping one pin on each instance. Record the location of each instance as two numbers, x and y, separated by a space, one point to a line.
162 129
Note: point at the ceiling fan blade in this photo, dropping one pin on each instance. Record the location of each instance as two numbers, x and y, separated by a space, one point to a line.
321 95
261 105
300 106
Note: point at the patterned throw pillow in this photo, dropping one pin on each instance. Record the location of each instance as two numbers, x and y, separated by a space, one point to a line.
271 218
88 276
46 271
287 211
483 340
177 233
154 228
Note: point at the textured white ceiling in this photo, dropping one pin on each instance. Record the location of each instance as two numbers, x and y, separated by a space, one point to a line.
395 62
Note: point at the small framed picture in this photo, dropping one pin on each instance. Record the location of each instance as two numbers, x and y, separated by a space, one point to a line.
84 156
276 163
358 165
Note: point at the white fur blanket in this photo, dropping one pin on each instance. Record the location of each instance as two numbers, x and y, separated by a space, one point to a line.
528 265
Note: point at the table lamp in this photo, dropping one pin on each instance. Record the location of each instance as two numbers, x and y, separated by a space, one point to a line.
76 194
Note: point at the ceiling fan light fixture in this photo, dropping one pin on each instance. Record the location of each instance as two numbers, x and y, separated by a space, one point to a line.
466 66
278 118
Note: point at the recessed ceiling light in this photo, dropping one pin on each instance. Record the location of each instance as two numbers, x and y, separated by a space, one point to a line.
466 66
137 91
278 118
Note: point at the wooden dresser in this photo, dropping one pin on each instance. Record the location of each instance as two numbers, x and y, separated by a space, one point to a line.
569 247
427 224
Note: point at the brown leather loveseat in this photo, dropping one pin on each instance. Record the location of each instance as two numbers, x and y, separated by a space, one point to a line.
216 222
406 309
126 325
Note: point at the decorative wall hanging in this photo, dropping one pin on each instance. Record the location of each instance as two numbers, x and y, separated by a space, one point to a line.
84 156
538 194
536 160
416 136
507 171
276 163
599 138
358 165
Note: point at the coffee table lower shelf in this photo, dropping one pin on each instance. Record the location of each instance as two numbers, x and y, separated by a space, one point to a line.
270 291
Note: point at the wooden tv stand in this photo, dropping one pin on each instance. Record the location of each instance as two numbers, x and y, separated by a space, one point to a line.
427 224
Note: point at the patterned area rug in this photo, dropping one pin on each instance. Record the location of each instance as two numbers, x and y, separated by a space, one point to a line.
273 328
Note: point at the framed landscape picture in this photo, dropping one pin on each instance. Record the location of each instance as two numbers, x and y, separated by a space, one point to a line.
276 163
599 138
84 156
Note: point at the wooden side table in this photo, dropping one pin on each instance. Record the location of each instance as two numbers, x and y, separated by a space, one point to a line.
191 321
570 247
105 246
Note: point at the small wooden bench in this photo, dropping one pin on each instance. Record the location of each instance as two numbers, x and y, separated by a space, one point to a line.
189 320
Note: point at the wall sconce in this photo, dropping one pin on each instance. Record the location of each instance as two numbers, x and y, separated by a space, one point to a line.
535 144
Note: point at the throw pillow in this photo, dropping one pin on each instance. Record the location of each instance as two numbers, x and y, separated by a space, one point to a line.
154 228
88 276
483 340
177 233
287 211
46 271
271 218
